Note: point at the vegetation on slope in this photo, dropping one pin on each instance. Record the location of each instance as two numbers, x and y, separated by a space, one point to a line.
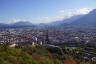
26 55
41 55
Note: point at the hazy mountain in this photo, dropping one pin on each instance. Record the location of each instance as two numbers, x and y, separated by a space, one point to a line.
17 24
72 19
65 22
3 25
89 20
21 23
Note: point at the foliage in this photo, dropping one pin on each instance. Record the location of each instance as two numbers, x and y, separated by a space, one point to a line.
41 55
26 55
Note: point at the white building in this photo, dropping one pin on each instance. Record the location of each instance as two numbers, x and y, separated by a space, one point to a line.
13 45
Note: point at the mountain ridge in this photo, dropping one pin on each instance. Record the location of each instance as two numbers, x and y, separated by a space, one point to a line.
87 20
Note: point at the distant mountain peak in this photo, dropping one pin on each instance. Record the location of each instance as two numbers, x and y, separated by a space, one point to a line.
22 23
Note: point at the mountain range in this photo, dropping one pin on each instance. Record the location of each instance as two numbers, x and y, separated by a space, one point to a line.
65 22
87 20
17 24
21 23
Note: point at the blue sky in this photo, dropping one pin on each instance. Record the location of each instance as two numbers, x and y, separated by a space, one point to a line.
42 11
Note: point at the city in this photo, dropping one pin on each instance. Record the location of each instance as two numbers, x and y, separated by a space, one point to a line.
47 31
81 42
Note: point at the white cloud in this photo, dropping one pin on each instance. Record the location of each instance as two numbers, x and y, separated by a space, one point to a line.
62 14
45 19
72 12
80 11
61 11
50 19
14 20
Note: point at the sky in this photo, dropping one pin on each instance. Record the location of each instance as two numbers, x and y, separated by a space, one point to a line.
42 11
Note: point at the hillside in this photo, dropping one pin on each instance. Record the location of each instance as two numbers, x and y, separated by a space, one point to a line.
50 55
27 55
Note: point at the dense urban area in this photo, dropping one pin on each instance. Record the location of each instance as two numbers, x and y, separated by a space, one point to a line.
55 36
